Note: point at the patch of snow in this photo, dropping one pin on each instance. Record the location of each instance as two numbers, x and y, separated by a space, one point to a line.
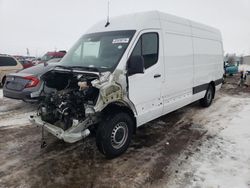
1 93
18 120
223 161
8 105
227 163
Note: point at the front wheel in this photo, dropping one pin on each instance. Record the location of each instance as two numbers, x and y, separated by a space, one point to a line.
208 99
114 134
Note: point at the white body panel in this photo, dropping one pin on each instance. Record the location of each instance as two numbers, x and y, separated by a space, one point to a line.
177 89
148 101
190 57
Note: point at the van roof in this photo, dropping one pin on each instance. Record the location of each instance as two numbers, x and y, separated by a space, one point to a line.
149 20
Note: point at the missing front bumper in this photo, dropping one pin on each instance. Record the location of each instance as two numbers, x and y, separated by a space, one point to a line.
73 134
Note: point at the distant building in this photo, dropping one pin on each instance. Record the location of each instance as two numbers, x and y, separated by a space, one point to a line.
246 60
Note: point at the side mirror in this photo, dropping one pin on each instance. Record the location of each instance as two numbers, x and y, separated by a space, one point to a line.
135 65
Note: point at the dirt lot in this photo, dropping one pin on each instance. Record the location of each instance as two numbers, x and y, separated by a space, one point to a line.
159 156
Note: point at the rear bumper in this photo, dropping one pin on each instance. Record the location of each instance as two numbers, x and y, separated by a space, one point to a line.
73 134
19 95
15 94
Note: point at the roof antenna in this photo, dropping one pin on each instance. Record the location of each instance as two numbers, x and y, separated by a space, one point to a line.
108 23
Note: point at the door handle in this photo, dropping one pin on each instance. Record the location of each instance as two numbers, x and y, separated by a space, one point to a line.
157 76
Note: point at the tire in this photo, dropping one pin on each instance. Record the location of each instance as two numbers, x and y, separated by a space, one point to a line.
208 99
114 135
3 81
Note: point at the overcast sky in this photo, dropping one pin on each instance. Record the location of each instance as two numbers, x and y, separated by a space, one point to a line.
46 25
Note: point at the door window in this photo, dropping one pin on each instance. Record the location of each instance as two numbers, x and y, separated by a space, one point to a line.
148 47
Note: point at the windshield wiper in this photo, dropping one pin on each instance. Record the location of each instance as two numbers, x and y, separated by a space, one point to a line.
64 67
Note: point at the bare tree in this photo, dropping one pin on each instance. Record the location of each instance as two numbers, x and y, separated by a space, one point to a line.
231 60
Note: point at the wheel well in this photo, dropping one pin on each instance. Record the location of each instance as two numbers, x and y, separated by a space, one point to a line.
213 85
120 107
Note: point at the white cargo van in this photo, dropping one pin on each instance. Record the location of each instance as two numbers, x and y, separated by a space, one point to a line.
125 73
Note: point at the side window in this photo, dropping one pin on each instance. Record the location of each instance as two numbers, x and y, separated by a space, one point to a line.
147 47
137 49
7 61
150 49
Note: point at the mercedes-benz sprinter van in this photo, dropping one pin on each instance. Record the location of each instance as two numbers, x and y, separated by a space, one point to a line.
125 73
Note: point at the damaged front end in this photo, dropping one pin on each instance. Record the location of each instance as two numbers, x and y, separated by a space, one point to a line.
89 81
72 101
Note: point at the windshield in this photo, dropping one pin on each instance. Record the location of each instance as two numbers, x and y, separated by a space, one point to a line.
99 51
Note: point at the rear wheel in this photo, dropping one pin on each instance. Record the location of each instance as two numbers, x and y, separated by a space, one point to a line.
208 99
114 134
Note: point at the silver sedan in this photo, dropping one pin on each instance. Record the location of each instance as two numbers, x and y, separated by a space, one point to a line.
27 84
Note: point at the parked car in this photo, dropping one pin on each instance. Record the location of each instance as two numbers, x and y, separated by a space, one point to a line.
26 84
121 75
26 61
231 69
50 55
8 65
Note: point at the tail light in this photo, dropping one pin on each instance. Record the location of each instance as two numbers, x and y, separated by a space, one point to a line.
33 81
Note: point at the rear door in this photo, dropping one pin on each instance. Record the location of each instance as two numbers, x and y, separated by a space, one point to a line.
145 89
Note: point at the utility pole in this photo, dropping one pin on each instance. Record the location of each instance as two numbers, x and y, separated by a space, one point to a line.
27 52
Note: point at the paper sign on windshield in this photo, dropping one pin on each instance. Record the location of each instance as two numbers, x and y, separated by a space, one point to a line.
121 40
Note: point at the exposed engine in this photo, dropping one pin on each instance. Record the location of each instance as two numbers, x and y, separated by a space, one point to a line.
66 102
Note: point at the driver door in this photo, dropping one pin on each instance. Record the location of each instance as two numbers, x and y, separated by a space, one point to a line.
145 89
